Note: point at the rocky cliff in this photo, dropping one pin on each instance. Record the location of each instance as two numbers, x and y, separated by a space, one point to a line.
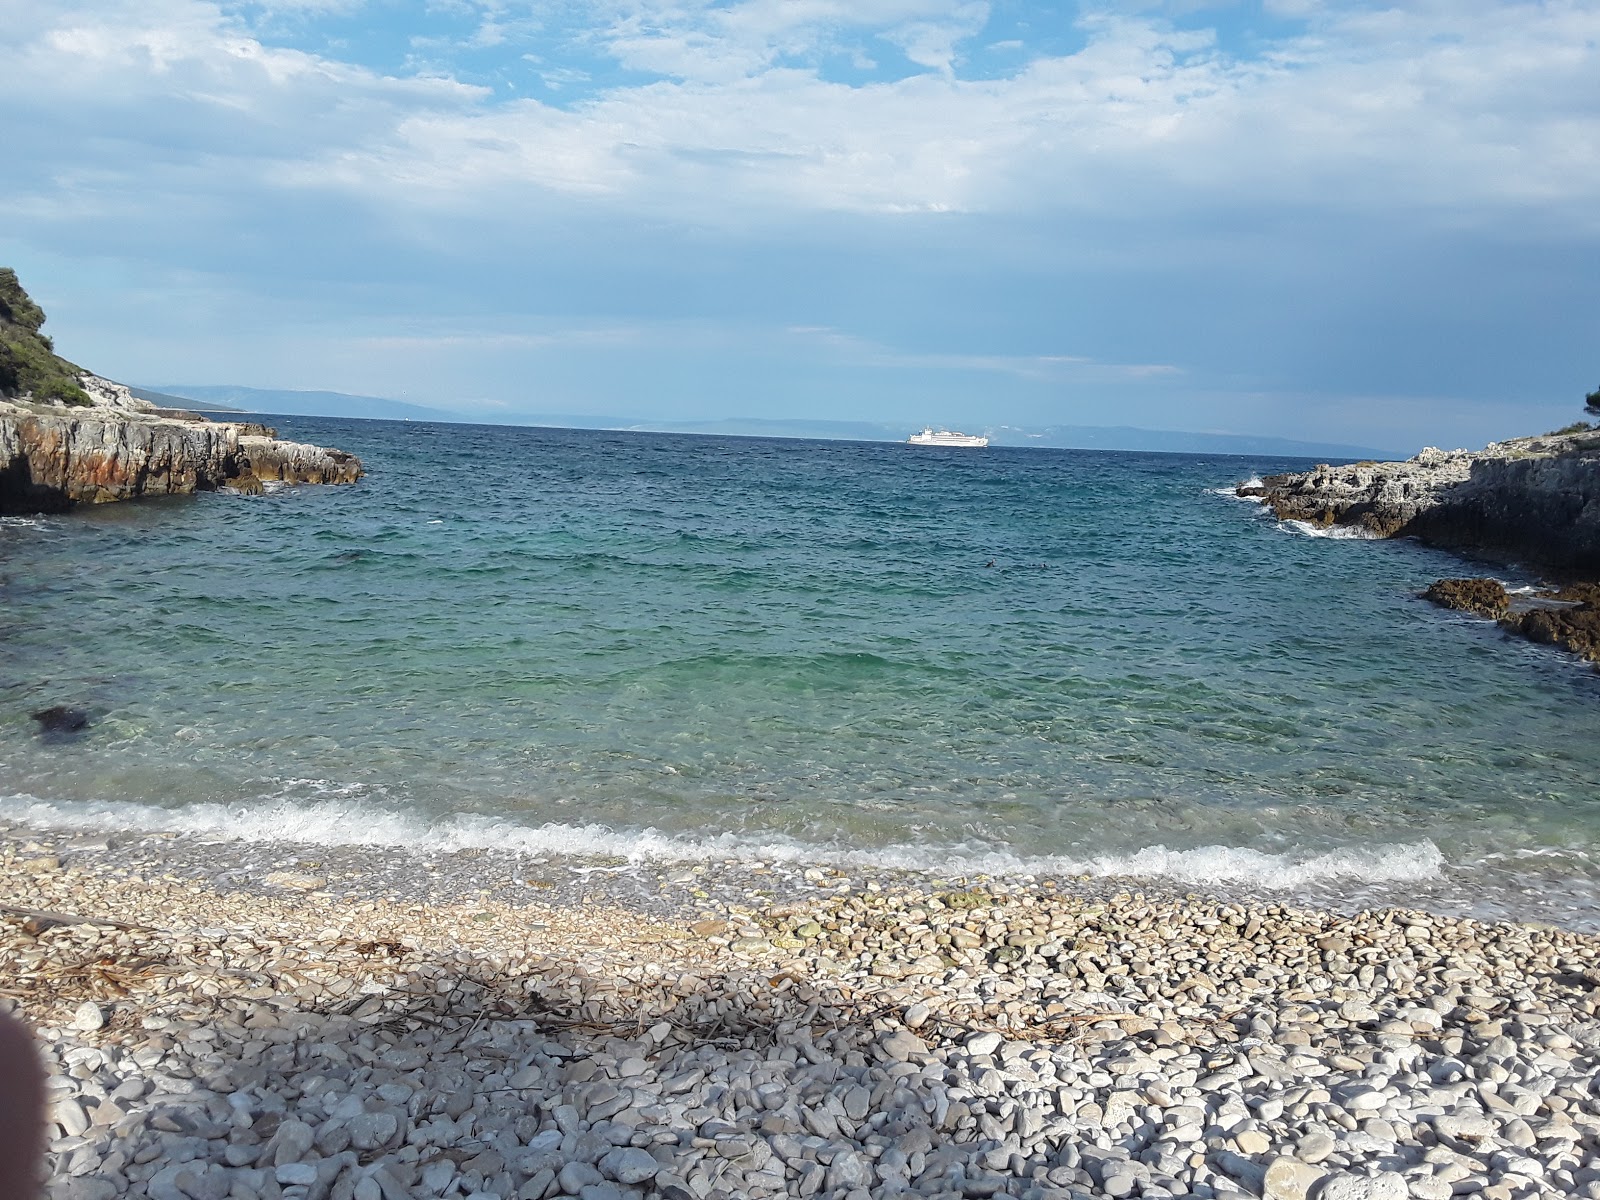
1532 500
68 437
52 457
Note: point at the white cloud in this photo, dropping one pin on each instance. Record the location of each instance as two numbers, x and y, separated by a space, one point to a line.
1464 108
165 132
695 40
857 351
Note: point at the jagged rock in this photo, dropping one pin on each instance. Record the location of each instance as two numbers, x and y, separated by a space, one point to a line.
1533 500
1536 500
266 457
70 437
1574 628
54 458
103 393
1485 597
1569 618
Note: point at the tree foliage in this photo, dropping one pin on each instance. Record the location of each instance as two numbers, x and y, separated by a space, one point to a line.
1592 401
29 365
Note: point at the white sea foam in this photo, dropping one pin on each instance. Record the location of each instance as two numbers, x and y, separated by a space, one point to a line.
1232 490
354 823
1337 532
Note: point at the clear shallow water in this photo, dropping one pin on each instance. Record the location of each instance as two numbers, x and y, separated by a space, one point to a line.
679 646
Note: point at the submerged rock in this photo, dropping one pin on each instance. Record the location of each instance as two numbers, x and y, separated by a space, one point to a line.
60 718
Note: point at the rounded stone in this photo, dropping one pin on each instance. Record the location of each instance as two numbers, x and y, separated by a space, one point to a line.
1290 1179
630 1166
303 1173
88 1017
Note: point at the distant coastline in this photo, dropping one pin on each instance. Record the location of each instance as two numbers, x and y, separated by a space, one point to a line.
283 402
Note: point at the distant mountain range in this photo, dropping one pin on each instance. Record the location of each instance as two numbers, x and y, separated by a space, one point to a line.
1084 437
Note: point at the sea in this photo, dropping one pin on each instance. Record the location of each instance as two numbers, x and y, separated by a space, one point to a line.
673 648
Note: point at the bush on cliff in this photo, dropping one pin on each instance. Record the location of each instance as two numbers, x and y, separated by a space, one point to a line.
1592 401
29 364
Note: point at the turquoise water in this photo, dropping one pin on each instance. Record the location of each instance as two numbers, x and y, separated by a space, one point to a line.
638 644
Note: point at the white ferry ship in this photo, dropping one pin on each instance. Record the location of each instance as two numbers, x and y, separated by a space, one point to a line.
944 437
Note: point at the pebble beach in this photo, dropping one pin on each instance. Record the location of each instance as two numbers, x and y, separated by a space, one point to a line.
226 1021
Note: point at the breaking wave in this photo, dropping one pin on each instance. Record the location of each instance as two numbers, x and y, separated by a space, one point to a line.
1336 532
338 823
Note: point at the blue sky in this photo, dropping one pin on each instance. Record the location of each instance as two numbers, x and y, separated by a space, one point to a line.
1357 222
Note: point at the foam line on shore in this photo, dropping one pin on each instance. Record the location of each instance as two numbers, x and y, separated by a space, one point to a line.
354 824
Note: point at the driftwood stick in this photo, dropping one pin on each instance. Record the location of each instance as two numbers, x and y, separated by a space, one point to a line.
47 919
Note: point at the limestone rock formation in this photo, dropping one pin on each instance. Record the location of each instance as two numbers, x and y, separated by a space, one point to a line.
52 458
1532 500
68 437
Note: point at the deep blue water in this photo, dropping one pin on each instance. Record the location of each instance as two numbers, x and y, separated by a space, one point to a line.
1031 660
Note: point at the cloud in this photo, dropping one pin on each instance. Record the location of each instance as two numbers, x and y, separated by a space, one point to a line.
865 352
1470 108
1171 192
717 43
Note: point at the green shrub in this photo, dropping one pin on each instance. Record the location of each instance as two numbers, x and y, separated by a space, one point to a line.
16 306
28 362
1592 401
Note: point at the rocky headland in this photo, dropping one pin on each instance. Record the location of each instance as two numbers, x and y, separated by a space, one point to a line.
1532 501
69 437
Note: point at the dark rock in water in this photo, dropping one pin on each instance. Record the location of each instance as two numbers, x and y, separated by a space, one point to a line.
1568 618
1486 597
1571 622
61 719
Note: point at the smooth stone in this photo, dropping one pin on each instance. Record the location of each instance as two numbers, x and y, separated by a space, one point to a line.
88 1187
848 1170
983 1043
88 1017
902 1045
630 1166
1314 1147
1289 1179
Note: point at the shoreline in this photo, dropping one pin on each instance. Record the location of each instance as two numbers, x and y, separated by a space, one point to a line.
739 1031
653 872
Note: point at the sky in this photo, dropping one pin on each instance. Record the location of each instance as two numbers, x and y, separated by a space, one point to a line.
1374 223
